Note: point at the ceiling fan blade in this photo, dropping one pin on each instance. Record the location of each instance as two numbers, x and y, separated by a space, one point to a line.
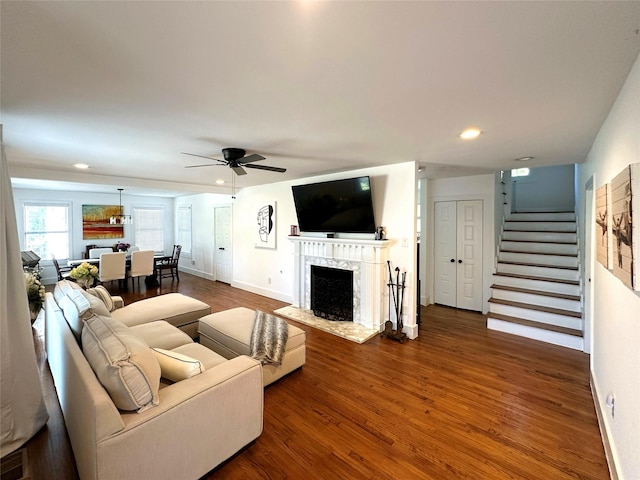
254 157
266 167
206 165
239 170
204 156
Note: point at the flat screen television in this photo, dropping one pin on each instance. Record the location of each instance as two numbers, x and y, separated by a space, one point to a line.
342 206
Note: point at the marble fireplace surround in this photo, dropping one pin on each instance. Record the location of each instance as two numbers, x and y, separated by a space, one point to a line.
367 259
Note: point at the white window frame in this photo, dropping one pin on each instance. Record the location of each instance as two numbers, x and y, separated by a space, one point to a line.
27 232
520 172
158 213
184 232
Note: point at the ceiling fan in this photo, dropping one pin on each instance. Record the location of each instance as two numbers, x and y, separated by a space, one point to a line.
235 159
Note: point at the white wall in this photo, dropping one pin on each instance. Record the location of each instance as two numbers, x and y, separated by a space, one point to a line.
477 187
76 200
201 262
615 359
270 272
556 182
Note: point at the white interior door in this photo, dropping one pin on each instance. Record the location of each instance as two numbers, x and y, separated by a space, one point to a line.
458 254
469 258
445 253
223 247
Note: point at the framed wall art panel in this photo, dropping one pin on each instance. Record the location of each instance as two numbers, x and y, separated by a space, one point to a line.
95 222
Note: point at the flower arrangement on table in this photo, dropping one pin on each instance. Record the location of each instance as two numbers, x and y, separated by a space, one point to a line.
84 274
122 247
35 293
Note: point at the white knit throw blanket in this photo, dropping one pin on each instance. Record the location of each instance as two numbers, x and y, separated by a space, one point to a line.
268 338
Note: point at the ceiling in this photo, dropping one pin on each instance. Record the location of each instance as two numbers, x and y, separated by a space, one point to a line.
315 87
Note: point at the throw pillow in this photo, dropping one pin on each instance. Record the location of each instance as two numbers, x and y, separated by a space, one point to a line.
177 366
125 366
103 294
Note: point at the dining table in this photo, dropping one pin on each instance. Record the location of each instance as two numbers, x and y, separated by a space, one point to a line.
151 280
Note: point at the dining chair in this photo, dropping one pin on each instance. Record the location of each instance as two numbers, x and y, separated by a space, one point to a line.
112 266
141 264
169 263
63 272
96 252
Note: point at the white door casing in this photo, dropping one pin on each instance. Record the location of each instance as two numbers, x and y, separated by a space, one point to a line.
458 254
223 260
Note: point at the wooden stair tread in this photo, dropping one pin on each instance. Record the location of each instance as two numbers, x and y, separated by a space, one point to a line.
541 253
541 279
540 241
556 311
540 231
537 265
536 292
530 323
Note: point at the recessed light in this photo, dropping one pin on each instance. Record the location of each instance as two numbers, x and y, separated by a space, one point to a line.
524 159
82 166
219 182
470 133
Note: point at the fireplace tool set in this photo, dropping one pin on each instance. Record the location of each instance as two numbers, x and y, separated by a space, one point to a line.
396 292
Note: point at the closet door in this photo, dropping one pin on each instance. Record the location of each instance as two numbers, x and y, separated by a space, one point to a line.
458 254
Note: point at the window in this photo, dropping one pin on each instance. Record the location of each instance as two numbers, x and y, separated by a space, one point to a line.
148 227
520 172
184 229
46 229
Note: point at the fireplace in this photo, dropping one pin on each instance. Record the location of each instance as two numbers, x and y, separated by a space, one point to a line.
364 260
332 293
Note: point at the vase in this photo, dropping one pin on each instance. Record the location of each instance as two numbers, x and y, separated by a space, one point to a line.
85 282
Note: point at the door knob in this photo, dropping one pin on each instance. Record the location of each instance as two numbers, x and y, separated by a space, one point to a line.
452 260
221 248
459 261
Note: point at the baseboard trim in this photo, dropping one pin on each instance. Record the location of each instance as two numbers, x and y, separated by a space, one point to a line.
263 291
613 472
197 273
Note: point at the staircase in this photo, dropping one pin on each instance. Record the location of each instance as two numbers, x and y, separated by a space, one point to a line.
536 287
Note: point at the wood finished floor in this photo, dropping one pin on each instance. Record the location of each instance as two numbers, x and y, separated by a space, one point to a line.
460 402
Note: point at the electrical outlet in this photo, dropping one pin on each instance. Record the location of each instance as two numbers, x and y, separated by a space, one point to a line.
269 280
193 262
405 242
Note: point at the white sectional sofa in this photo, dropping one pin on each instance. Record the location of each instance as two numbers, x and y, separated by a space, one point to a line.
124 418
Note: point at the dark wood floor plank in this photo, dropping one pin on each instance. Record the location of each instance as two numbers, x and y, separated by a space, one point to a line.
459 402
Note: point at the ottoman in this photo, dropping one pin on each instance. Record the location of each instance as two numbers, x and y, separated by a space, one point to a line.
228 333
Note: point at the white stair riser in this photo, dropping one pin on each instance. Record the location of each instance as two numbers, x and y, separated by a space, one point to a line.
556 338
538 259
536 316
533 247
555 287
558 273
540 236
540 300
540 226
541 217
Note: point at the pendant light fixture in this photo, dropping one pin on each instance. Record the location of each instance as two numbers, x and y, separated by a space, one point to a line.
121 219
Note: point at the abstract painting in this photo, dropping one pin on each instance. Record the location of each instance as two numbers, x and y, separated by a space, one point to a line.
602 226
266 225
95 222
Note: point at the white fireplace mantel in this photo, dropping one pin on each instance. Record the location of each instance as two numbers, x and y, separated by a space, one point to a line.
366 258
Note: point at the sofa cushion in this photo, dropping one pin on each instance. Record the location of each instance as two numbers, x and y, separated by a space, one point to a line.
175 308
63 287
160 334
177 366
126 367
207 357
103 294
77 305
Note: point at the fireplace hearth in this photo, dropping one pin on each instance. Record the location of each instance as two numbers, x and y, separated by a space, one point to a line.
332 293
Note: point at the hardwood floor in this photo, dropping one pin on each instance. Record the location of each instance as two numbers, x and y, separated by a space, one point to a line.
459 402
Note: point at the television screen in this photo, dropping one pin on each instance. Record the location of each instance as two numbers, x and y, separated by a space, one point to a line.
337 206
